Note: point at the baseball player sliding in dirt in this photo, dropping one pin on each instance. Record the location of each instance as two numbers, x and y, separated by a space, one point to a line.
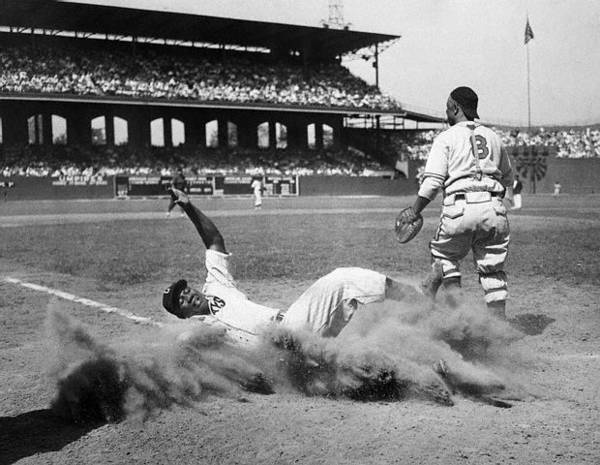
468 162
324 309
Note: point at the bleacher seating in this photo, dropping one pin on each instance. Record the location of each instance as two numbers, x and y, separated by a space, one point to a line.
197 76
569 142
105 161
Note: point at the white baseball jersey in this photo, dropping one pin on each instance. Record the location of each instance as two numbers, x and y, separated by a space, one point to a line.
256 186
227 303
325 308
469 158
451 164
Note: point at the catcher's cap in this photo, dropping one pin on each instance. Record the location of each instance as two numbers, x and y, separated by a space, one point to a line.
171 297
467 99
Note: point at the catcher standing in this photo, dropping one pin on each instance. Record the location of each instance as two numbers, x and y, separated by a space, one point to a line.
468 163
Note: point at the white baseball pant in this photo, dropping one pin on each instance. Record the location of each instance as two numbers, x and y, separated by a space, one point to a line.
474 221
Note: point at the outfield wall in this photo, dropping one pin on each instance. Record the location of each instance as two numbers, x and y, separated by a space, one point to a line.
576 176
354 185
66 187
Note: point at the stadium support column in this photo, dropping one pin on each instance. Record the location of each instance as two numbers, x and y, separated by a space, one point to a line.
247 132
318 135
295 133
14 124
47 128
222 132
79 131
110 127
194 131
272 135
139 133
377 117
337 133
167 131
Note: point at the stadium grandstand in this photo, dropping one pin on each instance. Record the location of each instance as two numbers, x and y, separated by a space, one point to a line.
92 87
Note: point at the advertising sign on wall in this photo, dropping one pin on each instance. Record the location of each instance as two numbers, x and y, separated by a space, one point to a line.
150 186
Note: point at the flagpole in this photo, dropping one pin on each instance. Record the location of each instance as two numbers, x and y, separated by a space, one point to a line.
532 152
528 93
531 157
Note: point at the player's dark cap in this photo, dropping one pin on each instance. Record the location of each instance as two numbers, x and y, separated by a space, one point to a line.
171 297
467 99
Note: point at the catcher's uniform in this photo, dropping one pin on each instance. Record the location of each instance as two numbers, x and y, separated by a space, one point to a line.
325 308
469 163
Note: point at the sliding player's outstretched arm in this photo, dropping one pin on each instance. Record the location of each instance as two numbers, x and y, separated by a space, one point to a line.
209 233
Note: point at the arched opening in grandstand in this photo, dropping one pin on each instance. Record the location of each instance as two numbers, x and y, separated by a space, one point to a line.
177 132
232 134
212 133
59 130
98 125
121 128
319 135
281 141
327 136
263 135
157 132
35 129
311 137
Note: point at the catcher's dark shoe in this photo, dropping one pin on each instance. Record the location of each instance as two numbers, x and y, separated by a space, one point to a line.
433 281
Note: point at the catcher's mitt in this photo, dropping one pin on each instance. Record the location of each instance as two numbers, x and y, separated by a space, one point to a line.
408 225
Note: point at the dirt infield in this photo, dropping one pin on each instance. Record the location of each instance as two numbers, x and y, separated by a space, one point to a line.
122 254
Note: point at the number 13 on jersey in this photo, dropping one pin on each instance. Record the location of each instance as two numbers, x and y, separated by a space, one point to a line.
482 147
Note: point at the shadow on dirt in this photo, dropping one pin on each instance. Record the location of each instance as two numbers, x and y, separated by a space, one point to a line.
36 432
530 323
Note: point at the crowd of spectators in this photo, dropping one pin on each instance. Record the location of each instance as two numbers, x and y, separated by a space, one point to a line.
91 161
568 142
69 160
206 77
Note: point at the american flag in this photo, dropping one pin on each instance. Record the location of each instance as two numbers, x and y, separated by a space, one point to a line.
528 32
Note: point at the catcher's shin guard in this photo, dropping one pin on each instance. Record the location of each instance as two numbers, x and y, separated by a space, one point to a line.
494 286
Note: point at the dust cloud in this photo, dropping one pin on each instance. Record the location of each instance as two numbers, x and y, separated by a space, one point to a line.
390 351
148 372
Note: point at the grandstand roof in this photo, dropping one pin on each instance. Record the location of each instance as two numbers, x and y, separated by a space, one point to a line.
141 19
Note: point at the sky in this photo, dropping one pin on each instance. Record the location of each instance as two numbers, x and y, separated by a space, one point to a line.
448 43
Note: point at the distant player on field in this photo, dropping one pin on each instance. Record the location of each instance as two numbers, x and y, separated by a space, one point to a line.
178 182
557 188
468 163
257 190
517 199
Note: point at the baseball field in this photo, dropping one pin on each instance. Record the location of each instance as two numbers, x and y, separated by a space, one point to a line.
93 370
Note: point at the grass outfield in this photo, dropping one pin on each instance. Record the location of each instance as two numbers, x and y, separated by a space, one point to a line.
292 238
